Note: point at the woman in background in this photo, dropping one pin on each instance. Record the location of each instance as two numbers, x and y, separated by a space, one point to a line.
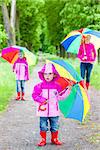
87 56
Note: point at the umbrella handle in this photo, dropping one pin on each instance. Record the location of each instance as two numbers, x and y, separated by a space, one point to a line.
75 83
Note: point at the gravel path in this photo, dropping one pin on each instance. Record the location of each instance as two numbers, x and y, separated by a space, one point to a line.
19 126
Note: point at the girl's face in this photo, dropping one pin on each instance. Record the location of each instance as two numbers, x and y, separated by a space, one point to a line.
20 55
87 39
48 76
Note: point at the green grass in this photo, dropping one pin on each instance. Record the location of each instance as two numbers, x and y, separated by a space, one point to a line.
7 84
95 76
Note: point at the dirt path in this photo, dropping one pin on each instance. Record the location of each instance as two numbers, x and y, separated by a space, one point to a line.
19 127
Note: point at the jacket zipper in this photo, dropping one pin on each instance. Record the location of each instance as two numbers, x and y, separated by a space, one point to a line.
48 102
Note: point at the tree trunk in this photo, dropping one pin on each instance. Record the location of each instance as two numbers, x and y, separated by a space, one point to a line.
61 51
57 50
13 19
17 28
7 23
68 55
98 56
9 27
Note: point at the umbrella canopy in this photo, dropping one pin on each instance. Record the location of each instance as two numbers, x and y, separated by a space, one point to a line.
73 40
11 54
76 105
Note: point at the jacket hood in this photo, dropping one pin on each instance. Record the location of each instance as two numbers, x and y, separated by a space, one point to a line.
48 68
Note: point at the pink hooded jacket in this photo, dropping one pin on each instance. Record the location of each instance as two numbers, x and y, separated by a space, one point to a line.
20 67
87 50
48 91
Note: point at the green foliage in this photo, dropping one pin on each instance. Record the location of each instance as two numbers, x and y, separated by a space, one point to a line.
80 14
51 49
30 20
5 1
44 23
3 37
53 18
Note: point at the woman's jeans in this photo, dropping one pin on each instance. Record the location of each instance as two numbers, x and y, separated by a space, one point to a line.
86 69
20 85
53 123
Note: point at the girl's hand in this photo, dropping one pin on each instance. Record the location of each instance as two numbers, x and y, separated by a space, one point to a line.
42 107
69 87
85 58
45 102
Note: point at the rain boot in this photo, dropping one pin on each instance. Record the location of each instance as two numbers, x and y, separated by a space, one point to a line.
18 96
54 138
87 85
22 97
43 136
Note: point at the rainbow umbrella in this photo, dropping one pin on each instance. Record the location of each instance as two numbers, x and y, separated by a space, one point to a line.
76 105
72 41
10 54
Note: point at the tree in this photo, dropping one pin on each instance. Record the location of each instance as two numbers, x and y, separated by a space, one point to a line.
30 23
55 28
54 25
9 22
13 19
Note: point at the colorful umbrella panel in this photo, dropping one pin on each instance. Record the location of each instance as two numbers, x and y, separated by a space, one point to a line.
72 41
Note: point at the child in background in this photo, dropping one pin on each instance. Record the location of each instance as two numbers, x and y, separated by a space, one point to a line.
20 68
47 94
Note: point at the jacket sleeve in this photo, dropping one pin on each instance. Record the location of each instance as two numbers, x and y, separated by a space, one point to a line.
64 95
27 70
36 95
94 53
80 56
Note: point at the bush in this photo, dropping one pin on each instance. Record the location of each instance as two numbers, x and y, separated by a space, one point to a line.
3 37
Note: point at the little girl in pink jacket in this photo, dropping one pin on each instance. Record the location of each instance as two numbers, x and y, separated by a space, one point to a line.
21 70
47 94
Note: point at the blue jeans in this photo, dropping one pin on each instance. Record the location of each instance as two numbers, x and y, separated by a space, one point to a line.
54 125
86 69
20 85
